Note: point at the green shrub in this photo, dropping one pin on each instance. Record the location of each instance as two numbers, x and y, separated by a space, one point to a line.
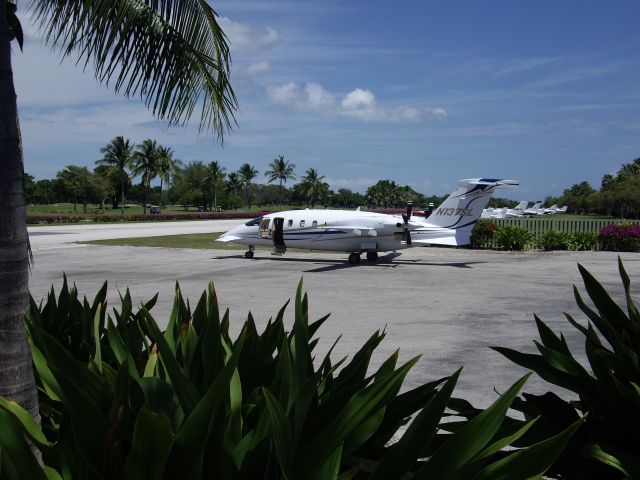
551 240
607 445
512 237
583 241
121 399
483 233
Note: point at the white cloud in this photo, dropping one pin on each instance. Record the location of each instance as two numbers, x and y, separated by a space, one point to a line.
360 104
439 112
257 68
243 37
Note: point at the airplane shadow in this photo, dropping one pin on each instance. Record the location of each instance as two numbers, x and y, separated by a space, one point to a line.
385 261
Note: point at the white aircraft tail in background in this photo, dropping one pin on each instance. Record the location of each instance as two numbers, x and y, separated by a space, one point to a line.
536 209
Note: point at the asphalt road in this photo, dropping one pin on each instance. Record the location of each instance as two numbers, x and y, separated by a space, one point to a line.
448 305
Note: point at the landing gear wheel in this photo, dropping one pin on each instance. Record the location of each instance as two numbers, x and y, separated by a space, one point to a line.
354 258
372 256
248 254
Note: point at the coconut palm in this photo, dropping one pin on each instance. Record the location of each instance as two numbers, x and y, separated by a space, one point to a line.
313 188
118 156
146 162
167 167
172 53
215 174
233 186
247 173
280 169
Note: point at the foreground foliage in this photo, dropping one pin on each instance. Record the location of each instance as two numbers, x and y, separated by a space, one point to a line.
121 399
607 445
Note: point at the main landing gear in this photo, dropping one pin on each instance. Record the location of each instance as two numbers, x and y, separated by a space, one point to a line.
354 258
249 253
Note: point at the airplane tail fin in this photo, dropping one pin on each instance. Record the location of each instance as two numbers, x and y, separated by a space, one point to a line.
461 210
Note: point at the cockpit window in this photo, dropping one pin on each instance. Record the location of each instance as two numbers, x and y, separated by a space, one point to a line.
254 222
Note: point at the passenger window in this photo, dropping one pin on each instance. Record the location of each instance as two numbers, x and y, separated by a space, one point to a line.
302 223
290 223
314 224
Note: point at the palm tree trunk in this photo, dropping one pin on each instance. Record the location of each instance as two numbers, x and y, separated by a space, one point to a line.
122 199
16 371
160 202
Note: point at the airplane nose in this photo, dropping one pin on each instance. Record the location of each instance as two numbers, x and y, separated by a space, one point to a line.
231 235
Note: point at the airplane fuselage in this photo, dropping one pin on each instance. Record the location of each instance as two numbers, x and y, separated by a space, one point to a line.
336 230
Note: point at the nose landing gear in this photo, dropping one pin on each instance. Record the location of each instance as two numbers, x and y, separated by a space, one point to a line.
249 253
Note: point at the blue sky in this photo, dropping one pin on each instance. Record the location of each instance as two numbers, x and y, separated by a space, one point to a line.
420 92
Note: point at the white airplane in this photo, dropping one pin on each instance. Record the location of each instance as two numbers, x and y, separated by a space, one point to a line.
357 232
516 211
536 209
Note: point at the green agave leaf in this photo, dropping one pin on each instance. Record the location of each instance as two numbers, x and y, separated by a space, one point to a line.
185 391
531 462
98 326
601 323
280 432
26 422
313 327
388 366
158 394
623 461
538 364
17 461
355 411
44 374
549 339
634 314
417 437
116 342
607 307
365 430
186 455
331 467
151 366
401 407
150 446
562 362
462 447
200 318
51 473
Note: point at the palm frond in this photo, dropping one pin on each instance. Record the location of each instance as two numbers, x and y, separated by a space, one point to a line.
172 53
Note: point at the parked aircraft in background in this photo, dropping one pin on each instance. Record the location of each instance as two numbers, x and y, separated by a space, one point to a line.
357 232
536 209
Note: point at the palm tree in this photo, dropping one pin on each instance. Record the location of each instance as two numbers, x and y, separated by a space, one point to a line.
190 67
234 184
146 162
280 169
215 174
118 156
167 166
313 188
247 173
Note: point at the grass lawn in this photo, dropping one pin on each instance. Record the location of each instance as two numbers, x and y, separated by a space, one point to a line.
195 240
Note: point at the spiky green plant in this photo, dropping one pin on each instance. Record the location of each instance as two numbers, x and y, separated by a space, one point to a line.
607 445
121 399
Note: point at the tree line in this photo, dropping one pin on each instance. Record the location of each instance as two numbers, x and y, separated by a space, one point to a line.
200 184
619 194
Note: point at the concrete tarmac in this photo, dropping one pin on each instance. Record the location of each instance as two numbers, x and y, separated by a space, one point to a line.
448 305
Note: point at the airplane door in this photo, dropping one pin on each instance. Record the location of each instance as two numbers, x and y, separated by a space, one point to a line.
277 233
264 230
